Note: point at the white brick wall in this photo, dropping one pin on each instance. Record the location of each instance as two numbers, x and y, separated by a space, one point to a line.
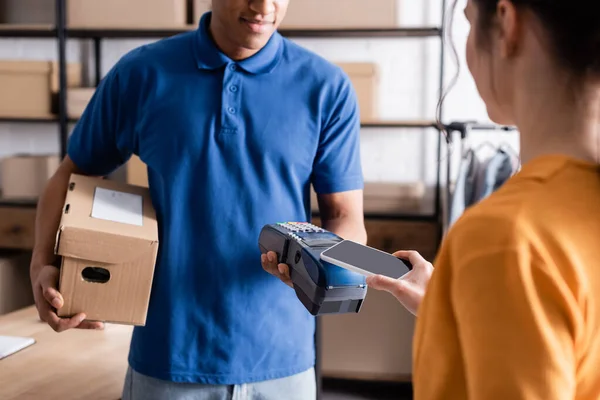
409 82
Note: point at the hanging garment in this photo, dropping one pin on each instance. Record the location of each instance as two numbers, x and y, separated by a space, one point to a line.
477 179
494 173
465 185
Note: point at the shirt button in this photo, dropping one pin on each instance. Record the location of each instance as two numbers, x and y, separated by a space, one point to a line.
233 67
233 88
231 110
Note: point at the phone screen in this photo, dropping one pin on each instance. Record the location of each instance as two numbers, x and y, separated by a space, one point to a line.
373 261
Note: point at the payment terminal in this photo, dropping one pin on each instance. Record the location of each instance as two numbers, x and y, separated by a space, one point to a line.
323 288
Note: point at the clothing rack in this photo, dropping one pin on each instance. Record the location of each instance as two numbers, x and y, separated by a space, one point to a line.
464 130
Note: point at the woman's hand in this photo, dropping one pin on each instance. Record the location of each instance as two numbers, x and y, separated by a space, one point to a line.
410 288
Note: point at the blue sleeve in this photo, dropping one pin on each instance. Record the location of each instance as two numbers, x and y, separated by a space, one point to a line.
102 140
337 166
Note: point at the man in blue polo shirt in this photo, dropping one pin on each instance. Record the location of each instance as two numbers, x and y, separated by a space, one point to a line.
234 123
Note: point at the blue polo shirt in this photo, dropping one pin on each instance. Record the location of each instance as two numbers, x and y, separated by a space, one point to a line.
230 146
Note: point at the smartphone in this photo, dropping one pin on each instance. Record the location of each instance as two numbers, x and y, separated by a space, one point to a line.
365 260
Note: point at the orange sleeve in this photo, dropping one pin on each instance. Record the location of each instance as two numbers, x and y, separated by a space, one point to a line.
517 328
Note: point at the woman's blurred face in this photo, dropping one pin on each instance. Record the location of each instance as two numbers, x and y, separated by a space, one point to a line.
490 71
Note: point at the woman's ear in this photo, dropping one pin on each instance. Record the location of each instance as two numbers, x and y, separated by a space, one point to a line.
509 28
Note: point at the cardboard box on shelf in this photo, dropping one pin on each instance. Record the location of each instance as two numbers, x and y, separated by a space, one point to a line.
74 76
17 227
77 101
337 14
384 354
365 80
25 176
377 343
387 198
393 198
15 285
108 240
27 12
28 86
201 7
130 14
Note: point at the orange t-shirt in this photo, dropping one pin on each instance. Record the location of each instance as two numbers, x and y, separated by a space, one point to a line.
513 307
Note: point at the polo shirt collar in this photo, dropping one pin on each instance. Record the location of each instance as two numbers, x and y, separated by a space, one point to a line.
208 55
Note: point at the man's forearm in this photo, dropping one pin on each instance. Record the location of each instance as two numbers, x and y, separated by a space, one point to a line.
47 220
348 228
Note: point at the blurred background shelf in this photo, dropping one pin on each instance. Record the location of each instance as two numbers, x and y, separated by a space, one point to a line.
17 203
408 124
35 120
409 217
399 124
27 30
48 31
413 32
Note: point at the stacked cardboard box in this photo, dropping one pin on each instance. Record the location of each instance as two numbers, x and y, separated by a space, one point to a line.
77 101
388 198
331 14
26 12
15 284
200 7
377 342
17 227
341 14
365 80
28 87
25 176
132 14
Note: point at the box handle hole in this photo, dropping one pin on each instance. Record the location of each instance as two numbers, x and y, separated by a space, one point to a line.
95 275
67 208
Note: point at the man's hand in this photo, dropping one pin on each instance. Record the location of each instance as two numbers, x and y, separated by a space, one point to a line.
410 288
48 299
281 271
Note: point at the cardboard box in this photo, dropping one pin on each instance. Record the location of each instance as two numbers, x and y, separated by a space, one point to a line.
127 14
201 7
77 101
17 227
384 353
387 198
137 172
28 86
377 343
365 80
341 14
27 12
15 283
393 198
25 176
108 241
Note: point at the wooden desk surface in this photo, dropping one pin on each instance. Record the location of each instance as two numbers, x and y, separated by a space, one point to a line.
77 364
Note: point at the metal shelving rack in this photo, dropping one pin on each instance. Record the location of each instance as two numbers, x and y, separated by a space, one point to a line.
62 33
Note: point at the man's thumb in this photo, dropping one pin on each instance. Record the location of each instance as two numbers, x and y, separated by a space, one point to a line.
48 284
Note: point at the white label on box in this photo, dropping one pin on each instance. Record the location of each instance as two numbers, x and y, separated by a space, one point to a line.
117 207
